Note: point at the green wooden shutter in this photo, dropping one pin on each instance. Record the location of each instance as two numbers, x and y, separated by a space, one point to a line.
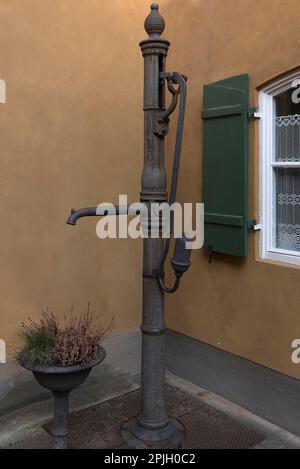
225 165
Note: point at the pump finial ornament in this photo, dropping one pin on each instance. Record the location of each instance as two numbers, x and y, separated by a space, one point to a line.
154 23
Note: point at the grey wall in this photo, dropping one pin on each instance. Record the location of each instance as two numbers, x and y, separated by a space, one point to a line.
265 392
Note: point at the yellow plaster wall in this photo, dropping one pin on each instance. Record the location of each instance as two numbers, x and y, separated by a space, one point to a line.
71 136
249 308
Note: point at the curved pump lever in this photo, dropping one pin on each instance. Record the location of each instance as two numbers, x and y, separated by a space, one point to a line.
181 259
163 116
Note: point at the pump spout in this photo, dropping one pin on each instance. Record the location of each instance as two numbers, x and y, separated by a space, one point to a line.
82 212
100 211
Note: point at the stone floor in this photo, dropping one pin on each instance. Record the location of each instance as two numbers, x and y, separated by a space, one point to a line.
209 421
98 426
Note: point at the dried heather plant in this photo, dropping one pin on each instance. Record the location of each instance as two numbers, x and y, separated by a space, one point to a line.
77 342
48 343
38 342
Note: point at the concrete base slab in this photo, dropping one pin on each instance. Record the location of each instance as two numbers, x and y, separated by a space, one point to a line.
97 415
99 426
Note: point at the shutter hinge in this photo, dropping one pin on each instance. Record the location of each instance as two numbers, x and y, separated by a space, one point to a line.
253 114
251 223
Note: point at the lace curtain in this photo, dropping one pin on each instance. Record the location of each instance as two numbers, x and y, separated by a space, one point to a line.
287 183
288 138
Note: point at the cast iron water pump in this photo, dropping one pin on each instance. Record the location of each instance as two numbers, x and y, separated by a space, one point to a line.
153 428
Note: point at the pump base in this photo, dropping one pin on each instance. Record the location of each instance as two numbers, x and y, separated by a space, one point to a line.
136 436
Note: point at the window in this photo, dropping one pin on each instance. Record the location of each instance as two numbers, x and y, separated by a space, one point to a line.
280 170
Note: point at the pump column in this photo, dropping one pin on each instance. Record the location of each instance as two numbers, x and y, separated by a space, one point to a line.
153 427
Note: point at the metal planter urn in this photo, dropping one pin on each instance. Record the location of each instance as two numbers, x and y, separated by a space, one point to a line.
61 380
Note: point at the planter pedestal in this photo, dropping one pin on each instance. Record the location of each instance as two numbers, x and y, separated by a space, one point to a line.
60 420
61 381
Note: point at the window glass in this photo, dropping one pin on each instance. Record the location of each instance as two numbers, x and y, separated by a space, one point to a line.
287 178
287 128
287 184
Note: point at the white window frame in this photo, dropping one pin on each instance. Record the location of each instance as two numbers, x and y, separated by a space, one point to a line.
267 163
